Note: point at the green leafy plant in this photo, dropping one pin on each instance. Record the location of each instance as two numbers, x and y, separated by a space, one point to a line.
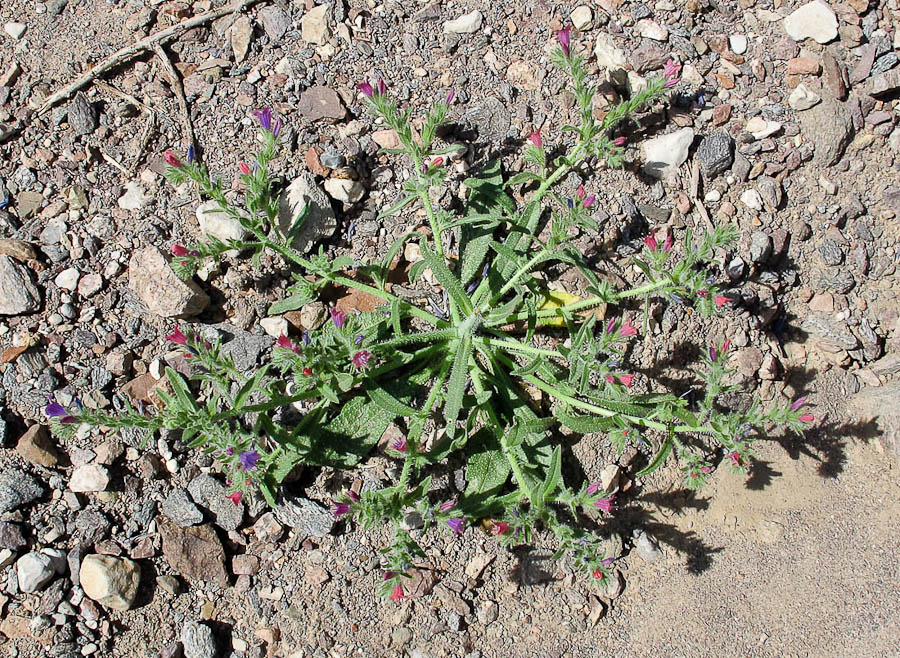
460 379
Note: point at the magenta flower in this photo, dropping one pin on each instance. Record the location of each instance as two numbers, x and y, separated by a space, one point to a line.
249 460
535 138
604 504
651 242
735 458
447 506
265 117
564 40
361 359
245 168
352 495
178 250
286 343
593 488
712 353
381 88
177 337
499 527
340 509
236 497
366 89
457 525
338 317
628 329
450 96
55 410
400 444
229 451
588 202
276 127
611 326
670 240
807 418
172 159
619 141
799 402
626 380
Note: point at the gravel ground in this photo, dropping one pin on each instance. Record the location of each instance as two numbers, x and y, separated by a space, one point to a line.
785 125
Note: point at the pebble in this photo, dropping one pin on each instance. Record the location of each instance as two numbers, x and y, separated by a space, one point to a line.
17 489
20 295
314 25
67 279
89 478
165 295
179 507
275 21
664 154
90 284
320 222
320 102
82 115
581 17
110 581
345 190
38 447
198 640
760 247
608 55
211 495
760 128
134 197
34 571
752 199
828 125
645 546
803 98
650 29
715 153
814 20
215 223
15 30
738 43
465 24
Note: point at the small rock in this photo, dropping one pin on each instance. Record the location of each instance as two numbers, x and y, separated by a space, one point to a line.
274 326
314 25
218 224
646 547
715 153
304 515
38 447
581 17
760 128
488 612
211 495
15 30
760 247
110 581
770 191
17 489
20 295
82 115
465 24
344 190
195 553
802 98
320 102
320 222
151 278
198 640
179 507
738 43
829 126
752 199
239 35
814 20
12 538
34 571
89 478
650 29
67 279
664 154
275 21
607 54
90 284
134 197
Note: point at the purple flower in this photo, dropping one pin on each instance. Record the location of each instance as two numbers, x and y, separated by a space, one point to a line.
593 488
340 509
361 359
457 525
712 354
265 117
604 505
450 96
338 317
229 451
611 326
55 410
589 201
352 495
799 402
400 444
366 89
381 88
249 460
446 507
191 153
276 127
564 40
358 340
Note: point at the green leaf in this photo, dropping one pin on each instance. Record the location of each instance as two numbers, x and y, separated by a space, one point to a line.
392 253
446 278
456 386
249 386
291 303
585 424
523 177
389 403
182 392
476 243
398 206
658 459
349 436
554 475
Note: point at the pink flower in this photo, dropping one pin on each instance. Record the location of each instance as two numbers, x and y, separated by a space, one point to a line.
627 380
651 242
735 458
338 317
671 71
437 162
628 329
236 497
598 574
177 337
611 380
564 40
400 444
172 159
366 88
721 301
799 402
361 359
589 201
448 505
619 141
706 470
670 240
726 345
593 488
286 343
604 504
245 168
807 418
535 138
398 593
178 250
580 193
340 509
499 527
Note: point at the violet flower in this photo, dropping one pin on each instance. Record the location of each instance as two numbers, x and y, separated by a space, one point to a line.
400 444
366 89
447 506
564 40
361 359
265 117
340 509
604 505
457 525
249 460
55 410
338 317
799 402
276 127
588 202
191 153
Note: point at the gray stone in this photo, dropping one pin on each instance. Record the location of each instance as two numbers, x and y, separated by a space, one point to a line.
715 153
275 21
839 282
82 115
110 581
34 571
829 127
321 102
646 546
770 191
320 222
211 495
218 224
179 507
17 489
20 295
12 537
664 154
304 515
878 408
243 347
831 253
198 641
151 278
490 117
831 332
344 190
760 247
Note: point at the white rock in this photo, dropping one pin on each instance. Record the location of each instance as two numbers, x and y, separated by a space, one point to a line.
67 279
134 197
275 326
320 220
151 278
713 196
88 478
691 75
607 54
650 29
827 186
760 128
814 20
314 25
34 570
581 17
344 189
239 35
465 24
803 98
664 154
752 200
218 224
738 43
110 581
15 30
